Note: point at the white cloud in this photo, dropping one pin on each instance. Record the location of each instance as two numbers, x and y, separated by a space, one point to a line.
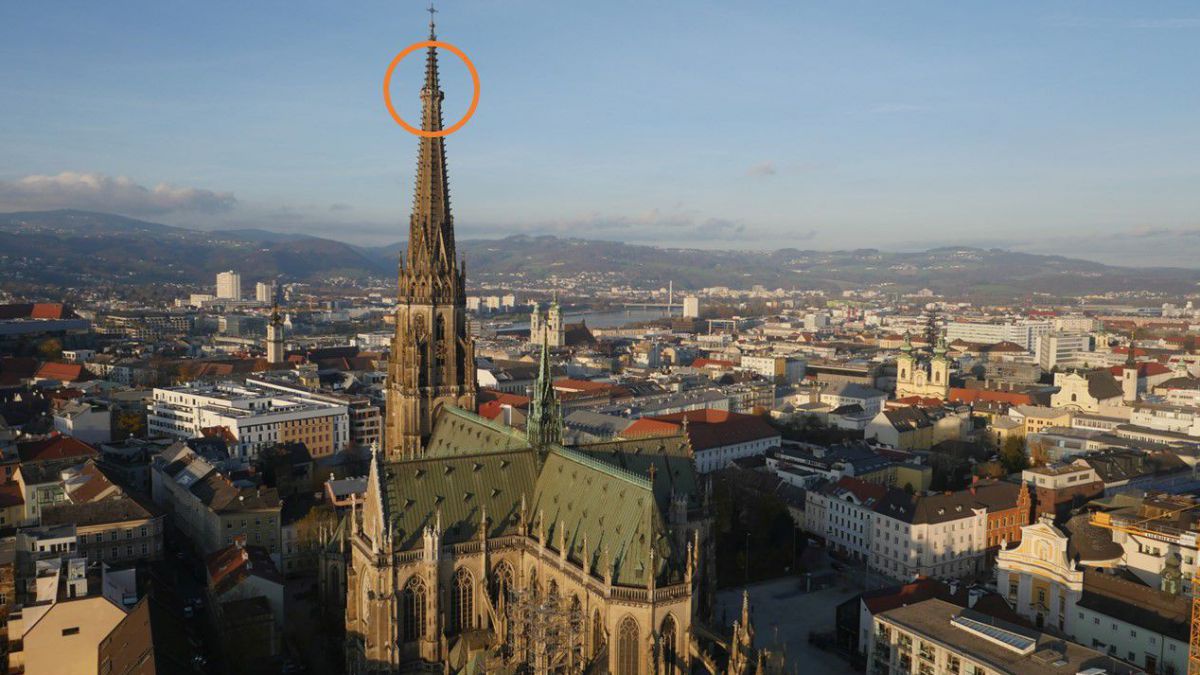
763 169
100 192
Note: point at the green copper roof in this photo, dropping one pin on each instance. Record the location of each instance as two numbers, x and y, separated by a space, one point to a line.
458 432
602 493
459 488
582 497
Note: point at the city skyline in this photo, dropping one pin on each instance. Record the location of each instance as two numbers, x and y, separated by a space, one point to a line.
1042 128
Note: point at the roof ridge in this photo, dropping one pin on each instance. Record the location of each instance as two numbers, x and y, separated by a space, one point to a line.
474 417
442 458
603 467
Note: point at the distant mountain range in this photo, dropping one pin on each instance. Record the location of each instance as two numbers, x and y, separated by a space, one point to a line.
79 247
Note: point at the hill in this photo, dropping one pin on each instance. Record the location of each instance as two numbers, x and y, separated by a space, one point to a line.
80 247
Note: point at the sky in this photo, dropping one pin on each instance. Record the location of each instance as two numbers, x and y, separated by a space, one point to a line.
1043 126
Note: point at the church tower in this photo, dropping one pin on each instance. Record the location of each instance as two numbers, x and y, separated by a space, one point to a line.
544 425
432 361
275 336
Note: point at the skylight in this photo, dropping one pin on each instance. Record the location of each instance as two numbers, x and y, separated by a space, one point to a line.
1009 639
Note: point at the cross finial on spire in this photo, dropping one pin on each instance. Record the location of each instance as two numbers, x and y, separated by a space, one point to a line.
432 11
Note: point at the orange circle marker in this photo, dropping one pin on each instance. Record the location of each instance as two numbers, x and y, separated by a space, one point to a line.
387 94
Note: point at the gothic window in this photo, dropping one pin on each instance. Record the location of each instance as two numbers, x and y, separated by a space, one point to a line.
552 592
440 331
413 607
669 653
628 654
534 591
502 584
462 601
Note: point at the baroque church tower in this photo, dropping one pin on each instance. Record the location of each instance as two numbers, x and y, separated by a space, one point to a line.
432 360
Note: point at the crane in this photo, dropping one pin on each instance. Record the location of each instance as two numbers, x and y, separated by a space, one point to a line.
1100 519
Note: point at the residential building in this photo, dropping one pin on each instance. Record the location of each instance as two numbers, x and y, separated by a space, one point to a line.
255 417
935 636
691 307
941 535
263 291
1057 350
88 422
229 286
716 437
840 394
242 582
842 513
1023 333
209 508
1048 581
1060 488
117 529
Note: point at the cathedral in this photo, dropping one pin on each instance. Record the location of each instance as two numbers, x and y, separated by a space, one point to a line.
479 547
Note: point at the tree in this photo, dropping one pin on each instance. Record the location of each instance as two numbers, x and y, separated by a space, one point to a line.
1012 455
50 348
1039 454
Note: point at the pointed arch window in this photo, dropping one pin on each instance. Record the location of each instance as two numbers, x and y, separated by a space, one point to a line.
669 643
502 585
462 601
628 654
412 601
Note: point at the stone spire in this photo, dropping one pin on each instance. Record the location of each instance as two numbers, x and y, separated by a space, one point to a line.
431 227
432 359
545 423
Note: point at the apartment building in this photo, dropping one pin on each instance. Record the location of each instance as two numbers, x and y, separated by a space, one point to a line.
210 509
1023 333
938 637
256 417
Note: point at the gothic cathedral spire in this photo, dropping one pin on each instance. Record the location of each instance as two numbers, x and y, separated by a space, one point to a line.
545 423
432 360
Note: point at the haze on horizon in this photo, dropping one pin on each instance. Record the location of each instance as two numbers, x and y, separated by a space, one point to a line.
1047 127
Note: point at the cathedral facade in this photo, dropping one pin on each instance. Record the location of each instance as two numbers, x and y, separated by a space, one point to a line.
479 547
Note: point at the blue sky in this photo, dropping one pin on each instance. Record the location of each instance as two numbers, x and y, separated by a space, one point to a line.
1058 127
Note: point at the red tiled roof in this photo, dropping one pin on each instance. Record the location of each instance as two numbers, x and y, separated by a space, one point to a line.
1145 369
221 432
919 401
47 310
960 395
571 385
712 363
63 372
503 397
55 448
705 428
227 567
864 491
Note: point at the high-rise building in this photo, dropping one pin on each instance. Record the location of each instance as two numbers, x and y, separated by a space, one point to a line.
432 360
691 307
264 292
229 286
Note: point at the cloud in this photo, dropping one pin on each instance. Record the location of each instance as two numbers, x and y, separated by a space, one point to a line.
340 207
1147 231
100 192
763 169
